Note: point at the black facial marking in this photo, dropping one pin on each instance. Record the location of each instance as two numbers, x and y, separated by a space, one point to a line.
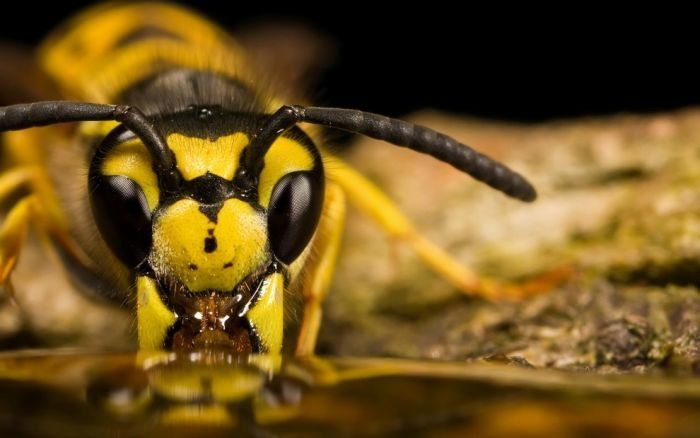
211 211
210 231
210 244
210 188
228 265
193 267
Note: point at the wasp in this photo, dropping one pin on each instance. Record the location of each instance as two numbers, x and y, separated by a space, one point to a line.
210 203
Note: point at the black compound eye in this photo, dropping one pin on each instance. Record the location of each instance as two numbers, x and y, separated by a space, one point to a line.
122 216
293 213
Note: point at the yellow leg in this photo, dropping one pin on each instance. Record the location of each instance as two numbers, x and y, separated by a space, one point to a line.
13 232
39 207
375 204
37 182
48 214
318 276
13 180
13 229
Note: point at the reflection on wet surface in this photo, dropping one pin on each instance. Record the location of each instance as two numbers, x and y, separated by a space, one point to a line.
216 393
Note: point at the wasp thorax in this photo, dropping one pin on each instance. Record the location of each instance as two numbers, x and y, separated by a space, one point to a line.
208 247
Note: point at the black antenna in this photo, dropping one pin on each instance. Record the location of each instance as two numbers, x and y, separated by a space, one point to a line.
29 115
398 132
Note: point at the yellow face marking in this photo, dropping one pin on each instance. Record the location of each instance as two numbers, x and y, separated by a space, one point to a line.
132 160
197 156
285 156
154 318
267 315
204 255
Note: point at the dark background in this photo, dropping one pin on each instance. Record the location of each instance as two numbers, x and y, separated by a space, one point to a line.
515 64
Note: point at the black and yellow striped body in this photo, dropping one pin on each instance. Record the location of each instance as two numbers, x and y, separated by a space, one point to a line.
209 244
189 182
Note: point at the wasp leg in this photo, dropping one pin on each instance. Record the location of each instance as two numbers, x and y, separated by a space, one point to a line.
13 180
10 182
35 180
374 203
318 277
14 228
13 232
40 207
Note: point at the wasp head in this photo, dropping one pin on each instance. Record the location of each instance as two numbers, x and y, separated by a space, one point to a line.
209 254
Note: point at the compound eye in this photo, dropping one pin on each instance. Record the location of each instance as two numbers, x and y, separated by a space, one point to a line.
293 213
121 212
